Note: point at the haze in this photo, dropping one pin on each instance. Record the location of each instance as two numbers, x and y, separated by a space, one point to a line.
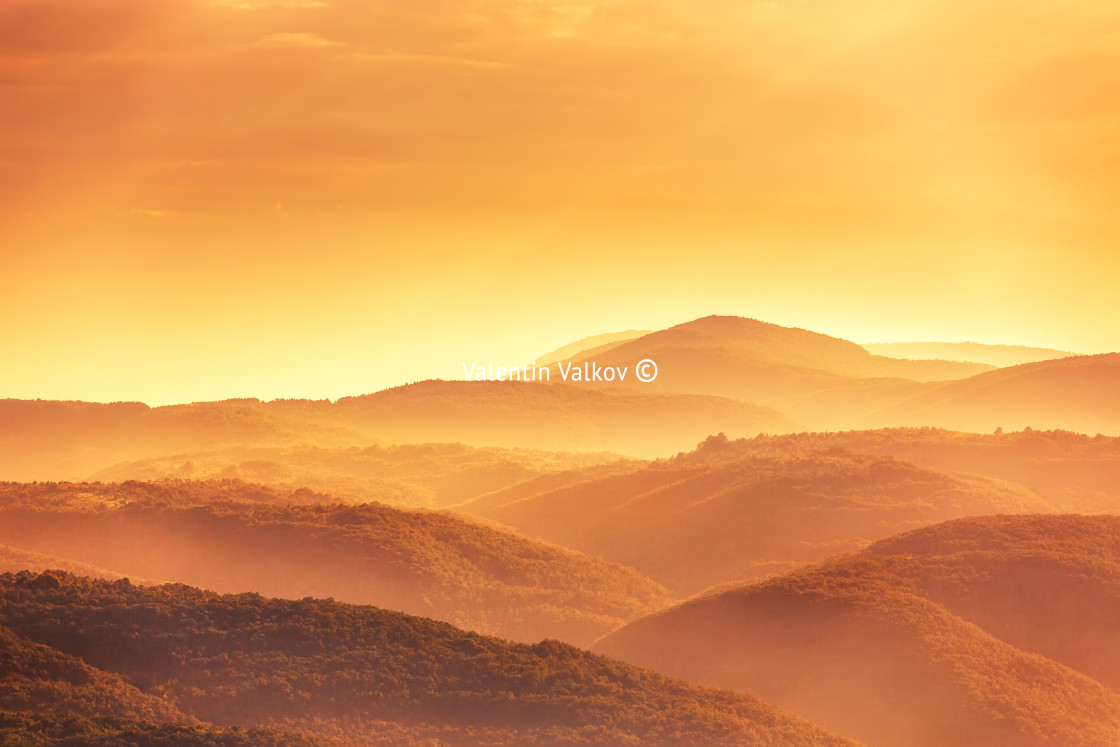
209 199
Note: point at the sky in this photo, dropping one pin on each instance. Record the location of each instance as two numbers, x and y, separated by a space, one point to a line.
300 198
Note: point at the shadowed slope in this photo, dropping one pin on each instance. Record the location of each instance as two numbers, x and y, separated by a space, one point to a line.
855 645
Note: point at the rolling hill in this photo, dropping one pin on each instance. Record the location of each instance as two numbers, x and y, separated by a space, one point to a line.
229 536
423 475
361 673
717 515
1070 471
554 416
45 440
911 642
1080 394
1046 584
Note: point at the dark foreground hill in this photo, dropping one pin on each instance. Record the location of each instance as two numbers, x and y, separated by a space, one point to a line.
32 729
369 675
34 677
942 636
231 536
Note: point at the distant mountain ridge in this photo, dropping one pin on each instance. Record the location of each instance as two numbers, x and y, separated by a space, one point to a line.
555 416
831 384
766 363
71 440
601 342
1080 394
716 374
971 352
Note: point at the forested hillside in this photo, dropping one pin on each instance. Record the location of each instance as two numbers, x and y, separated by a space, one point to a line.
345 670
232 536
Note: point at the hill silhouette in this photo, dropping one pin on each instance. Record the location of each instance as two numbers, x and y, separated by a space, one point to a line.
350 671
971 352
829 383
872 644
755 361
231 536
1080 394
716 515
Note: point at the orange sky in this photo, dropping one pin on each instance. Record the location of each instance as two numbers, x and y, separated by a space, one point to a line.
266 198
